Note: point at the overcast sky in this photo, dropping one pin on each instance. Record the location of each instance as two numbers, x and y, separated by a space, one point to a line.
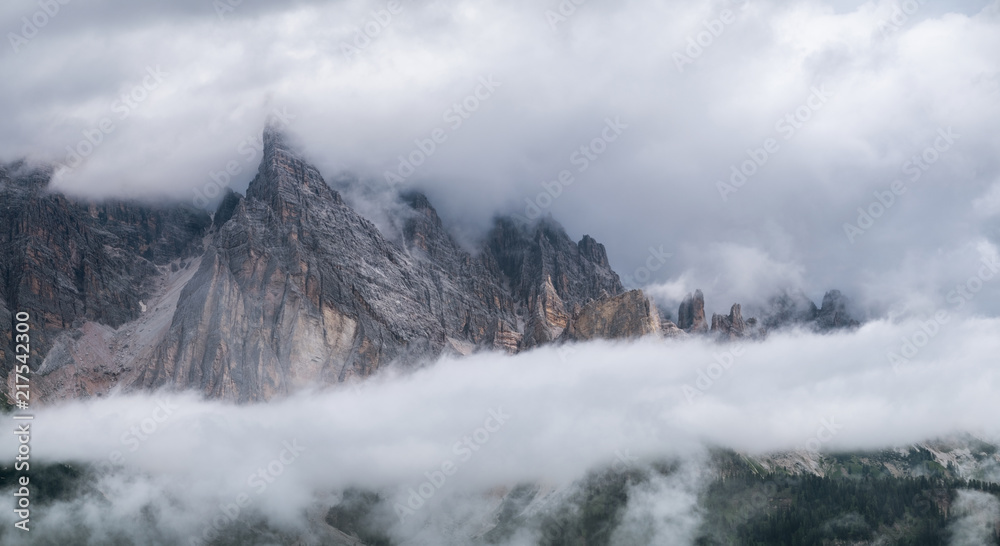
173 92
872 86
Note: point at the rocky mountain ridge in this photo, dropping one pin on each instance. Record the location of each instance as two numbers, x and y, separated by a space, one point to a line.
290 287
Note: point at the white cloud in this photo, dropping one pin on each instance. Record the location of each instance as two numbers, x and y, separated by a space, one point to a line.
567 416
892 93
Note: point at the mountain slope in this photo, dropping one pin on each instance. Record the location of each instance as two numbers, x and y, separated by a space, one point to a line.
285 288
291 287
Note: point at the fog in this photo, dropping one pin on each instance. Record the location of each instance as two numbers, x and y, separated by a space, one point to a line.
741 147
548 416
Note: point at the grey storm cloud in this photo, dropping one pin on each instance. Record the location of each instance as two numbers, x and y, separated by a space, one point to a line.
725 156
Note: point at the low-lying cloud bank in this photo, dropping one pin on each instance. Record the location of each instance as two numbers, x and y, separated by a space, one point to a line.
545 416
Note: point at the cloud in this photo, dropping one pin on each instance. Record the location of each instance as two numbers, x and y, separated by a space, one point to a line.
978 515
545 416
663 510
728 273
157 100
892 88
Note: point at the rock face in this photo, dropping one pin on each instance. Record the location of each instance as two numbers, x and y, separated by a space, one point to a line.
68 262
284 288
787 309
833 315
551 276
670 330
298 289
290 287
226 208
691 314
624 316
795 309
730 327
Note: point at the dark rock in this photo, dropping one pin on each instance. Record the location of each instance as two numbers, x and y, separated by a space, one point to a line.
548 275
788 308
527 256
730 327
833 315
691 313
792 309
67 261
226 208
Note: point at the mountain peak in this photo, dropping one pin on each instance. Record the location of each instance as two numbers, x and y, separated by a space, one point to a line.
274 137
691 313
285 180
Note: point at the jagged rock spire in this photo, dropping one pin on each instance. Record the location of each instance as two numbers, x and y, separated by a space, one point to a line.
691 313
730 327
